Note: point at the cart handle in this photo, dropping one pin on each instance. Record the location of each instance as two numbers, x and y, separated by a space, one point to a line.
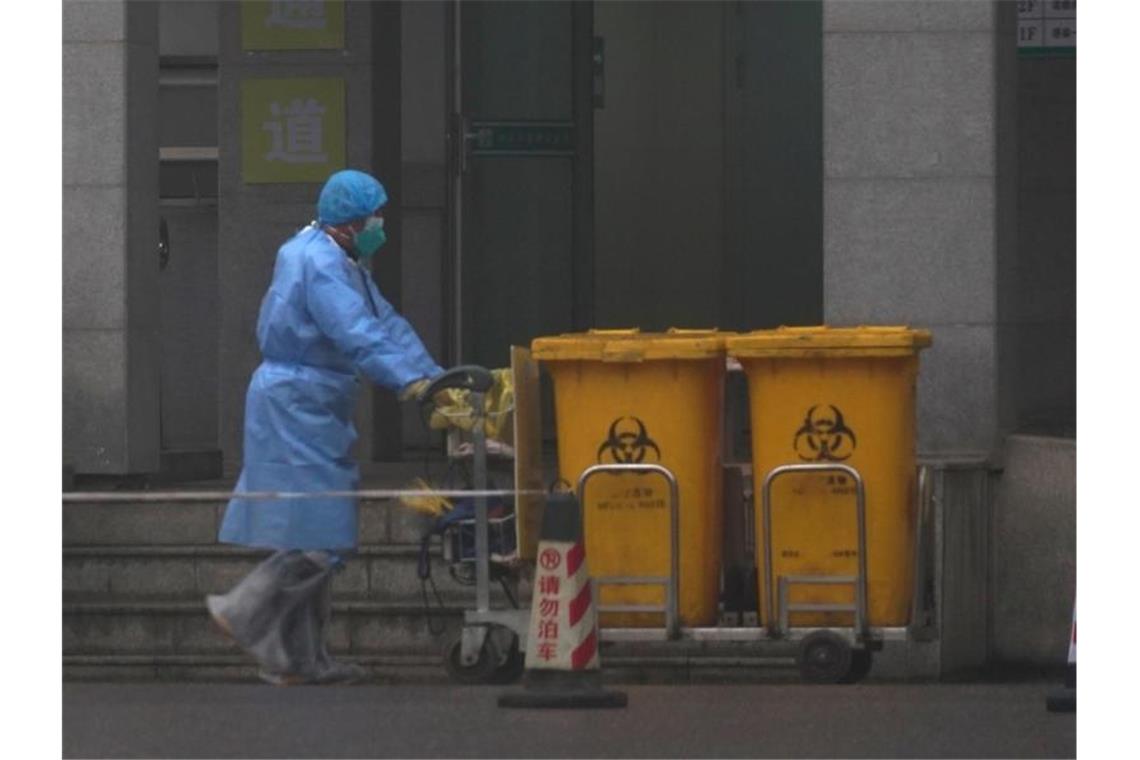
468 376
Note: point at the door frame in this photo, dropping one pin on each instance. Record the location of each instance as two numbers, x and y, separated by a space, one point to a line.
387 444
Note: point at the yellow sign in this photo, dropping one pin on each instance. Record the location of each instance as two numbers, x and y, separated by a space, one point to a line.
293 130
292 24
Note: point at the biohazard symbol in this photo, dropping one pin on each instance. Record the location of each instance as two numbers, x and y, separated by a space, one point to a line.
628 443
824 437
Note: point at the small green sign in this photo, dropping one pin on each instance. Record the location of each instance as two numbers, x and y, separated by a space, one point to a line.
293 130
292 24
520 138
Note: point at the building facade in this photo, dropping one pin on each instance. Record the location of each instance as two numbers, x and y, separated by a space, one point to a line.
561 166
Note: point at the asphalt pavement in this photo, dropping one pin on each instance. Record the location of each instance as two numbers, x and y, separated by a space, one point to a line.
771 720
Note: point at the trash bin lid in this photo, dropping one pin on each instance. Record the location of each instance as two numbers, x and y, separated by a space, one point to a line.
823 341
631 345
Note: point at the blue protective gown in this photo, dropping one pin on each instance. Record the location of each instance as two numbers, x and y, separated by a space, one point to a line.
322 321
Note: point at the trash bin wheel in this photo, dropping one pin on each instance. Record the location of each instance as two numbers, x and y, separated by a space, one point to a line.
860 666
824 657
480 671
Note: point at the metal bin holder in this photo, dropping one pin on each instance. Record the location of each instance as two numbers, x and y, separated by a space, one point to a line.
670 582
825 654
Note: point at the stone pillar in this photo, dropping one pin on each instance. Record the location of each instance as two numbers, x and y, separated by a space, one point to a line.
110 237
916 181
255 219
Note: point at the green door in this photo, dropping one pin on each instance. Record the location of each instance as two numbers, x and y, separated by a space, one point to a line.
521 175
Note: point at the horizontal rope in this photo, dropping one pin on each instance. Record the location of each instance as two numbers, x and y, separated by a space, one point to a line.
99 497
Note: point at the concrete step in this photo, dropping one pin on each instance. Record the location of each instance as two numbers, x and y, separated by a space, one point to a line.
378 572
390 669
134 578
178 627
196 524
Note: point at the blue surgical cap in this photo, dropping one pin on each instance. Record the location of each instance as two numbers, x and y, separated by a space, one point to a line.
349 195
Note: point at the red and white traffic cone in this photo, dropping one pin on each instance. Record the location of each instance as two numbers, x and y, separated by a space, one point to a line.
563 668
1065 699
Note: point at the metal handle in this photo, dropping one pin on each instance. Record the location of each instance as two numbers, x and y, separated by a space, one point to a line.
860 511
465 137
672 624
473 378
468 377
163 243
482 544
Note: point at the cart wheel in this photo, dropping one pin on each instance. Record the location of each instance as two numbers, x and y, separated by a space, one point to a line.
860 666
513 667
481 671
824 657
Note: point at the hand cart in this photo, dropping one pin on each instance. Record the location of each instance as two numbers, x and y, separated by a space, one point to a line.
490 646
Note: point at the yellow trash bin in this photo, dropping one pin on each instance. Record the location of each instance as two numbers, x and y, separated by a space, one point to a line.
836 396
622 396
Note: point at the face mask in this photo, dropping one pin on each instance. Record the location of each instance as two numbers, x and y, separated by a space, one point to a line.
369 240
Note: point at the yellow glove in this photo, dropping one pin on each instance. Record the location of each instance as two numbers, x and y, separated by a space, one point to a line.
413 390
429 503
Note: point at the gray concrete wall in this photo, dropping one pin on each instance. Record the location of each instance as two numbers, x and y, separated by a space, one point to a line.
110 237
254 220
911 186
1034 551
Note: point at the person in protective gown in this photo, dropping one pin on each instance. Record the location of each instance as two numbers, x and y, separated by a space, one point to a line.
322 323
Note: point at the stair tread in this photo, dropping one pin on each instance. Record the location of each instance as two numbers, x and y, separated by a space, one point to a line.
225 550
210 658
196 603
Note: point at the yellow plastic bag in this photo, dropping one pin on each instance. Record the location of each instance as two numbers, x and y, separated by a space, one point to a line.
453 407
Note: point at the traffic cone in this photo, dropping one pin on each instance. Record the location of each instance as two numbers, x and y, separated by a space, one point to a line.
563 668
1065 699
